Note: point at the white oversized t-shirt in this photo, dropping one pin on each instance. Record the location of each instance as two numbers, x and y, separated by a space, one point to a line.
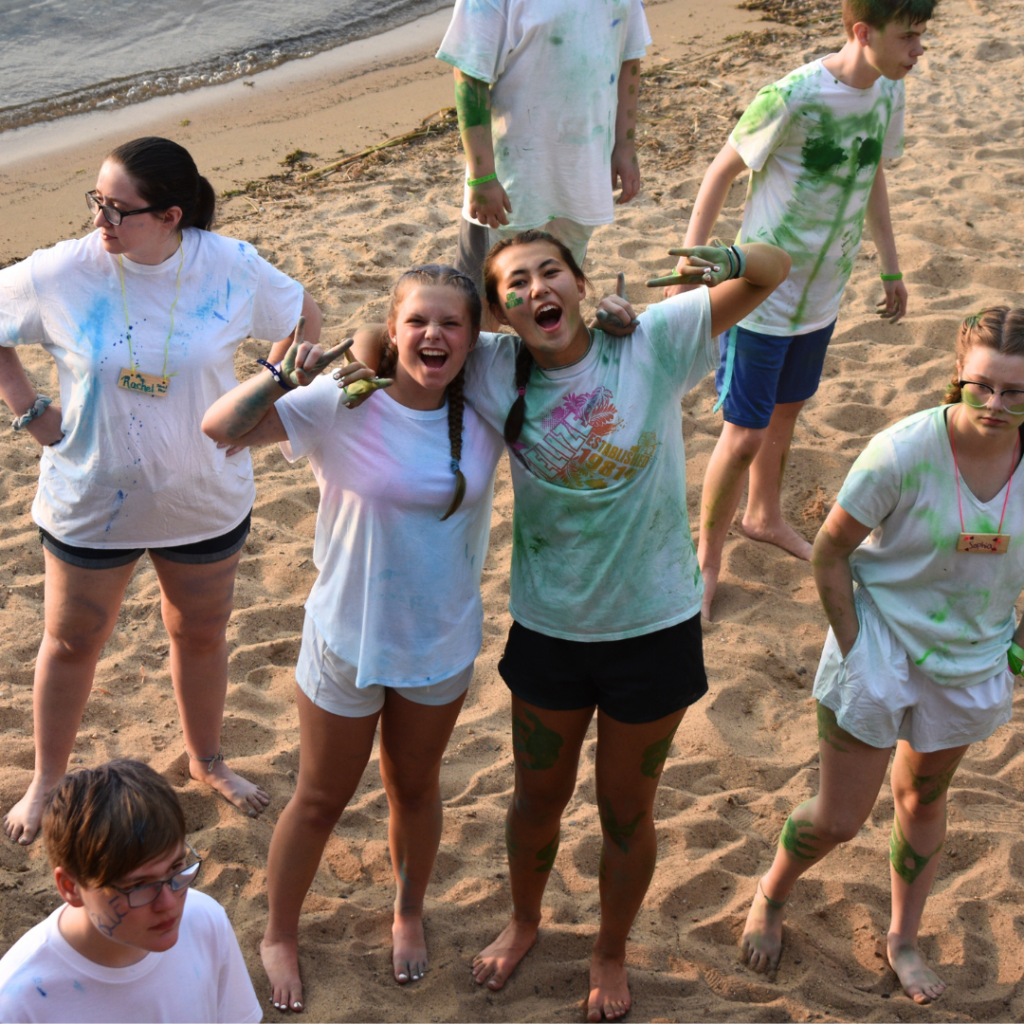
398 593
202 977
952 611
135 470
814 146
601 545
554 68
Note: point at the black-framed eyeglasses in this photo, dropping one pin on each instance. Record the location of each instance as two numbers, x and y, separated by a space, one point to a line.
143 895
976 395
113 215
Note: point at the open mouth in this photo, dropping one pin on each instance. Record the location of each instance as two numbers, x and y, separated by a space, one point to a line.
548 317
433 357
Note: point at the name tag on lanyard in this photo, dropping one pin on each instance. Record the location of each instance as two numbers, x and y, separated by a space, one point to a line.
143 383
983 543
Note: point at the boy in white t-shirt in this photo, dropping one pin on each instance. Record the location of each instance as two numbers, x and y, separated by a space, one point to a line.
814 142
546 95
130 943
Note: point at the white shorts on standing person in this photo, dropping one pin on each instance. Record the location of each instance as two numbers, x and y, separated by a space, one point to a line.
547 98
142 318
394 620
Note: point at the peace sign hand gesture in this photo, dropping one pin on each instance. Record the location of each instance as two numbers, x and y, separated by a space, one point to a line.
303 362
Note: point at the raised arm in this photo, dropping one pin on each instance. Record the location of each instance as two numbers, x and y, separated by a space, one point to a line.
488 202
837 539
625 165
314 322
17 392
894 305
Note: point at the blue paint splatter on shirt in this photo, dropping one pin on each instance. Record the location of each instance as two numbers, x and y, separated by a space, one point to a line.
118 502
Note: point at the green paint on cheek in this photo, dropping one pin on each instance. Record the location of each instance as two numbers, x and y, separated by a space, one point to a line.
512 300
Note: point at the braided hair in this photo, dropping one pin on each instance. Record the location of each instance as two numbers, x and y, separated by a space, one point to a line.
524 360
449 277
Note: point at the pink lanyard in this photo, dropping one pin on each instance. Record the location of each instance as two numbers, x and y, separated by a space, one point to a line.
956 469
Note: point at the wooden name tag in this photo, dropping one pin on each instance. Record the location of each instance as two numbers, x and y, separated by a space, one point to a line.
143 383
983 543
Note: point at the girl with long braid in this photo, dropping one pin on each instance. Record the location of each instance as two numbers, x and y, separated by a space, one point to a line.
394 620
918 565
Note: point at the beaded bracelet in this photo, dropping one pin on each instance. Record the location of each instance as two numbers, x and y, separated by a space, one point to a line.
276 374
473 182
34 411
891 277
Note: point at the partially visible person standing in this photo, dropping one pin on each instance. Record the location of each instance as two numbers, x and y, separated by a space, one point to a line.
547 100
142 318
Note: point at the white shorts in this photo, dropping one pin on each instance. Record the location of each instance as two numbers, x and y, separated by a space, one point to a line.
330 682
879 695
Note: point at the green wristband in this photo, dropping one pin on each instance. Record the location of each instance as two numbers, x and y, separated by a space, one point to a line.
891 277
473 182
1015 656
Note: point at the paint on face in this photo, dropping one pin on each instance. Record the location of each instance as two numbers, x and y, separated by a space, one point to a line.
512 300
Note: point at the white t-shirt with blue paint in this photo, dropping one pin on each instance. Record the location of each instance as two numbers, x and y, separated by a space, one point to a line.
952 611
398 593
136 470
601 546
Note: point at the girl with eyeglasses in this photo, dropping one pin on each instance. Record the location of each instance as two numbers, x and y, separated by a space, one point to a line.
918 566
142 318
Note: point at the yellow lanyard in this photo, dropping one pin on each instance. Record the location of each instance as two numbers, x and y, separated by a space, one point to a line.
127 323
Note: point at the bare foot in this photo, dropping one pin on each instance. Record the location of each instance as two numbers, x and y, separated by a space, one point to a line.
609 989
919 981
281 962
245 795
21 823
779 533
410 953
761 945
501 957
710 574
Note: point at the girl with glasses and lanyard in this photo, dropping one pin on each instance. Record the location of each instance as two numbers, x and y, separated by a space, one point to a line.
142 318
922 652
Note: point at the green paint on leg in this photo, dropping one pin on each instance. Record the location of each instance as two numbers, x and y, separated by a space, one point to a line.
512 300
931 787
546 855
536 742
618 832
906 861
511 846
652 761
798 838
830 731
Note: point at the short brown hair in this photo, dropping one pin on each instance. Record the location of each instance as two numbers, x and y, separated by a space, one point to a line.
998 328
100 824
878 13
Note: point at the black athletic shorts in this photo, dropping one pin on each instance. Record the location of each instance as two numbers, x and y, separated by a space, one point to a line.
216 549
636 680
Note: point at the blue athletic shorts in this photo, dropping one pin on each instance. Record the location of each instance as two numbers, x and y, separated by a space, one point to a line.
770 371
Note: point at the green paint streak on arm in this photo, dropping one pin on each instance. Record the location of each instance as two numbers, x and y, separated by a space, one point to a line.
546 855
618 832
798 839
538 744
906 861
652 761
931 787
472 101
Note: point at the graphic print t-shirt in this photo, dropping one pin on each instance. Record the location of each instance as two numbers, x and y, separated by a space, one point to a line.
601 545
555 69
814 146
952 611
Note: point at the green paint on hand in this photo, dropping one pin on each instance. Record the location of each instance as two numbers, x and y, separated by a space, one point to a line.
512 300
546 856
618 832
536 742
798 838
906 861
652 760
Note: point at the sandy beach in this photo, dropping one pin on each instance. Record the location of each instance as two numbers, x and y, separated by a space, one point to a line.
747 753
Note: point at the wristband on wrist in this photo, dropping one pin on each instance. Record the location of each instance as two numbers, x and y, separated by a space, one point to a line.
741 261
732 262
473 182
891 277
34 411
276 374
1015 656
